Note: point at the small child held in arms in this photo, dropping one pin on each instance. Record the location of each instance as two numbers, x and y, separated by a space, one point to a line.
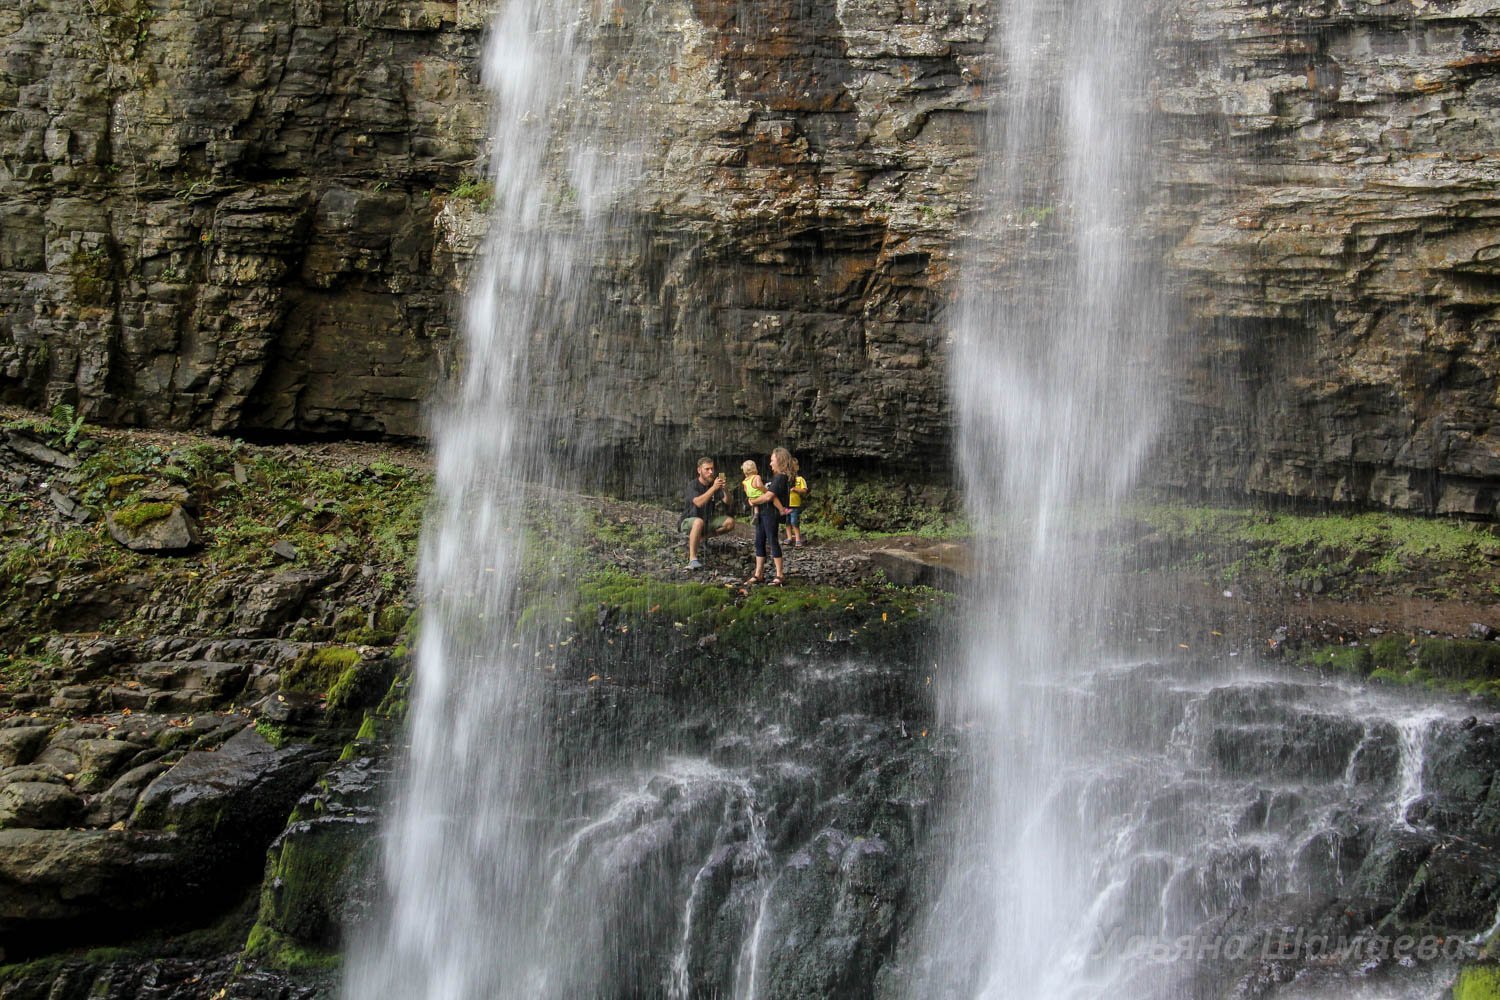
754 485
794 505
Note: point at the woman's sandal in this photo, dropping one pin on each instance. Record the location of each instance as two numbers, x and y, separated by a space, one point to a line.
778 581
756 579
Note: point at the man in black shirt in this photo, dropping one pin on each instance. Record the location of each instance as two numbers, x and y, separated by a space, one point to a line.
706 496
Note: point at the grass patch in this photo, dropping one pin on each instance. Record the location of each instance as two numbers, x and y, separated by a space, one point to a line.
1457 666
275 950
765 614
1335 551
245 501
1478 982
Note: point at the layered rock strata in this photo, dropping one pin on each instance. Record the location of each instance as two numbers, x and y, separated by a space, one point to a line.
253 217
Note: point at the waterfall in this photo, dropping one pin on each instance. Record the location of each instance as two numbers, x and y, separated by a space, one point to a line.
1055 352
467 914
1128 827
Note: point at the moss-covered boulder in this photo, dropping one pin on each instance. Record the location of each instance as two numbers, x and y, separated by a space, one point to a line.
154 526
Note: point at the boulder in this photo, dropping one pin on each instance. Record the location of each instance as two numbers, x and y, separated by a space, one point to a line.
35 450
154 527
21 744
117 801
322 872
37 804
237 796
944 566
276 599
52 875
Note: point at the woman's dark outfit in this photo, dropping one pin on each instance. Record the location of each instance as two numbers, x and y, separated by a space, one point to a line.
768 521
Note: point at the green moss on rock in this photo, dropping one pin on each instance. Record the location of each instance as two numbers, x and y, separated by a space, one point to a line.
318 671
135 516
1478 982
1344 659
1459 659
278 951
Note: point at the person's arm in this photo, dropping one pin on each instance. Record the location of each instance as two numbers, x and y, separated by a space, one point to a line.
769 496
701 500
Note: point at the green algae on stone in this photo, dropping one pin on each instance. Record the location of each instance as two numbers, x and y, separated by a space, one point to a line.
1460 659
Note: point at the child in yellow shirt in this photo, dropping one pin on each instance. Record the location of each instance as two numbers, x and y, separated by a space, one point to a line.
794 505
754 485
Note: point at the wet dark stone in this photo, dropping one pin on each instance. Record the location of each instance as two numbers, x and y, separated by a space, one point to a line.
20 744
1393 858
1458 774
1294 746
1132 910
1229 879
1456 889
1328 861
1377 760
37 804
830 917
1269 811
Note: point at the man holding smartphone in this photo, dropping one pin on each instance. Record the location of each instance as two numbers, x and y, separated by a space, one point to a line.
706 497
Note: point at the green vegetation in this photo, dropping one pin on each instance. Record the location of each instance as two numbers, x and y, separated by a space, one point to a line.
1478 982
61 429
1332 552
694 630
275 950
272 733
123 25
93 285
320 670
840 507
245 499
1460 666
474 189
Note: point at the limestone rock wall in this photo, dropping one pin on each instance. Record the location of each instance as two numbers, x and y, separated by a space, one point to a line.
250 216
1331 201
219 214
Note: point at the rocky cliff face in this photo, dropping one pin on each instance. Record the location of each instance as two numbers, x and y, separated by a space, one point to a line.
1331 199
251 216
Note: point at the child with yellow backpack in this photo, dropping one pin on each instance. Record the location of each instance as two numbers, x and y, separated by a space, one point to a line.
799 492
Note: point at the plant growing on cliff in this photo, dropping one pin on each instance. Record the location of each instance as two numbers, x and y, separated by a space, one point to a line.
123 25
67 424
473 189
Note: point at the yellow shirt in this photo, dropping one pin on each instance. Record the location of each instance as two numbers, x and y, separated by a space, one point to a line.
796 498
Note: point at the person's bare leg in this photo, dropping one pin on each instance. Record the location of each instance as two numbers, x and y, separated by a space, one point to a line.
695 534
760 570
780 572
